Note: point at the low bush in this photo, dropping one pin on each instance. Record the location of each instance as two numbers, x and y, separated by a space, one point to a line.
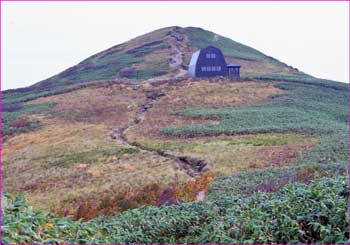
189 191
12 107
16 119
20 123
271 179
150 195
297 213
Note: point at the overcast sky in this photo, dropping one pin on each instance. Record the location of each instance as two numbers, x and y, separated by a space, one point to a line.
40 39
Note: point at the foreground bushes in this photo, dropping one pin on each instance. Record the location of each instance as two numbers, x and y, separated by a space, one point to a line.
313 213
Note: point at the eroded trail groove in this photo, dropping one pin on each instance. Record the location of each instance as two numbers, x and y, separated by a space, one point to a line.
191 166
177 42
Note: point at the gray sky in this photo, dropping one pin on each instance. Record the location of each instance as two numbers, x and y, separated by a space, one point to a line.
40 39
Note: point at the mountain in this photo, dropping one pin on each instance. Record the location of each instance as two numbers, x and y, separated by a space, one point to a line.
164 53
124 148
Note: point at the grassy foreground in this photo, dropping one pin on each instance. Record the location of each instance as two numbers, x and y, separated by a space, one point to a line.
237 210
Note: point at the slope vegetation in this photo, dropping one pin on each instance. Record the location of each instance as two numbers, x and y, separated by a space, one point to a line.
98 138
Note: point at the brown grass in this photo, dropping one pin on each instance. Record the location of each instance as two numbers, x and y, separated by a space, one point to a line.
249 67
61 163
225 154
112 105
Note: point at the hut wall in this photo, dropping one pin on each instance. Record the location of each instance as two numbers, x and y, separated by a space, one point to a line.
210 63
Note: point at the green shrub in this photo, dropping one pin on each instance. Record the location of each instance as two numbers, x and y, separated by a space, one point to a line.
297 213
245 183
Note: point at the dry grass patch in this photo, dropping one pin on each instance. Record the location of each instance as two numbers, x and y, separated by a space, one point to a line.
196 94
61 163
226 154
112 105
249 67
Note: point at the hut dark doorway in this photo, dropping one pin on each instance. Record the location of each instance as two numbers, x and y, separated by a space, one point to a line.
233 71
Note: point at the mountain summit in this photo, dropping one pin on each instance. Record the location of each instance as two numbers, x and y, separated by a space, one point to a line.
166 53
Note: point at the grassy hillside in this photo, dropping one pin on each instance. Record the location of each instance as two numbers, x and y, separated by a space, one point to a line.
306 109
98 154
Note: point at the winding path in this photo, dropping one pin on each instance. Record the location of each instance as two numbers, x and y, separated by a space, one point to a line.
191 166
